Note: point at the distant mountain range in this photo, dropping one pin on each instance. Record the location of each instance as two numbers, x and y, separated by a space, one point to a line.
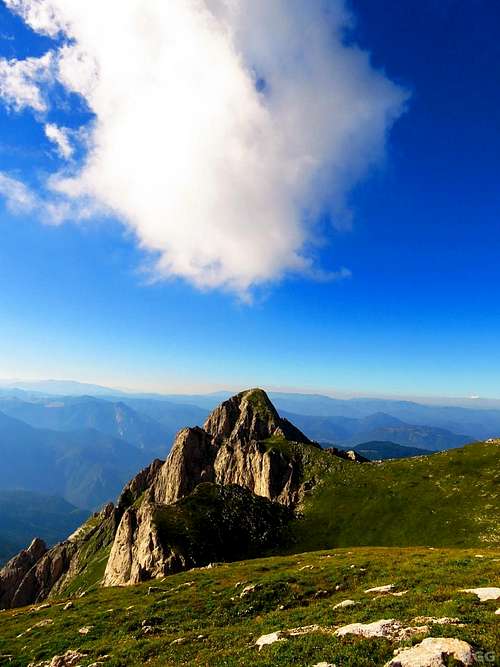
383 450
117 420
84 447
86 467
350 432
24 514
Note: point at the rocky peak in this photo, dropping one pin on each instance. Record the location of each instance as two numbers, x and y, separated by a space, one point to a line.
248 416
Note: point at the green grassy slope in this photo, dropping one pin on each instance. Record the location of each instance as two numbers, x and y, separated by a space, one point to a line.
199 617
447 499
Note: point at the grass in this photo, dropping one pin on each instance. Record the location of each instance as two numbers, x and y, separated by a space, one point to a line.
447 499
219 628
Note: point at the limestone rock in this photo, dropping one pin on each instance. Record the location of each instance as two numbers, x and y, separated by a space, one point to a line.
380 589
281 635
344 604
12 574
230 450
250 415
383 628
138 485
388 628
191 461
37 573
137 553
214 523
484 594
434 652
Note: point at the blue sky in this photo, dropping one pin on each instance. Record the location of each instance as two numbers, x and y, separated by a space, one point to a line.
419 314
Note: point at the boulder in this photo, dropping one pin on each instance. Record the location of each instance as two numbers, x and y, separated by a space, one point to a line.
434 652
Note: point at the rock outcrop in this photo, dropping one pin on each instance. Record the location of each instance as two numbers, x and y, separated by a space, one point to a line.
214 523
16 570
239 444
35 574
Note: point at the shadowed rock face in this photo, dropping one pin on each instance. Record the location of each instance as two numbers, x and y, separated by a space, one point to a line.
35 574
16 569
233 448
214 523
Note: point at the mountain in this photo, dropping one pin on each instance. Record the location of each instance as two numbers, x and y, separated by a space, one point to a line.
350 432
380 450
117 420
172 416
60 387
85 467
25 514
251 477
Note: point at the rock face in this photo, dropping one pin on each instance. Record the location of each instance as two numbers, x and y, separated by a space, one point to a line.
36 573
232 449
16 570
214 523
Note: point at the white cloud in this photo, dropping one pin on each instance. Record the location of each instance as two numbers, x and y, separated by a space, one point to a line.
221 181
21 81
18 196
59 136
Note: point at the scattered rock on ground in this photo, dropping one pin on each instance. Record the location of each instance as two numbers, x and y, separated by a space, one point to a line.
344 603
386 627
380 589
434 652
484 594
271 638
249 589
444 620
281 635
85 630
69 659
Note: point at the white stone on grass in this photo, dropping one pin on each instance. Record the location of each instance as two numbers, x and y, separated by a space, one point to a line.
380 589
434 652
484 594
344 603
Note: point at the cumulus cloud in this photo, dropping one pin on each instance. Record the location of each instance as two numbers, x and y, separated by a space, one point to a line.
59 136
222 128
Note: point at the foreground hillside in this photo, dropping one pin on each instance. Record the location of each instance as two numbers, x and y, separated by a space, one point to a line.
214 616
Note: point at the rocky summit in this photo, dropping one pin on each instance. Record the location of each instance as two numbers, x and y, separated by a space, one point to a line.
241 476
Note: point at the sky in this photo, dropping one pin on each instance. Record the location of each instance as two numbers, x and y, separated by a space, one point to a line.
210 194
